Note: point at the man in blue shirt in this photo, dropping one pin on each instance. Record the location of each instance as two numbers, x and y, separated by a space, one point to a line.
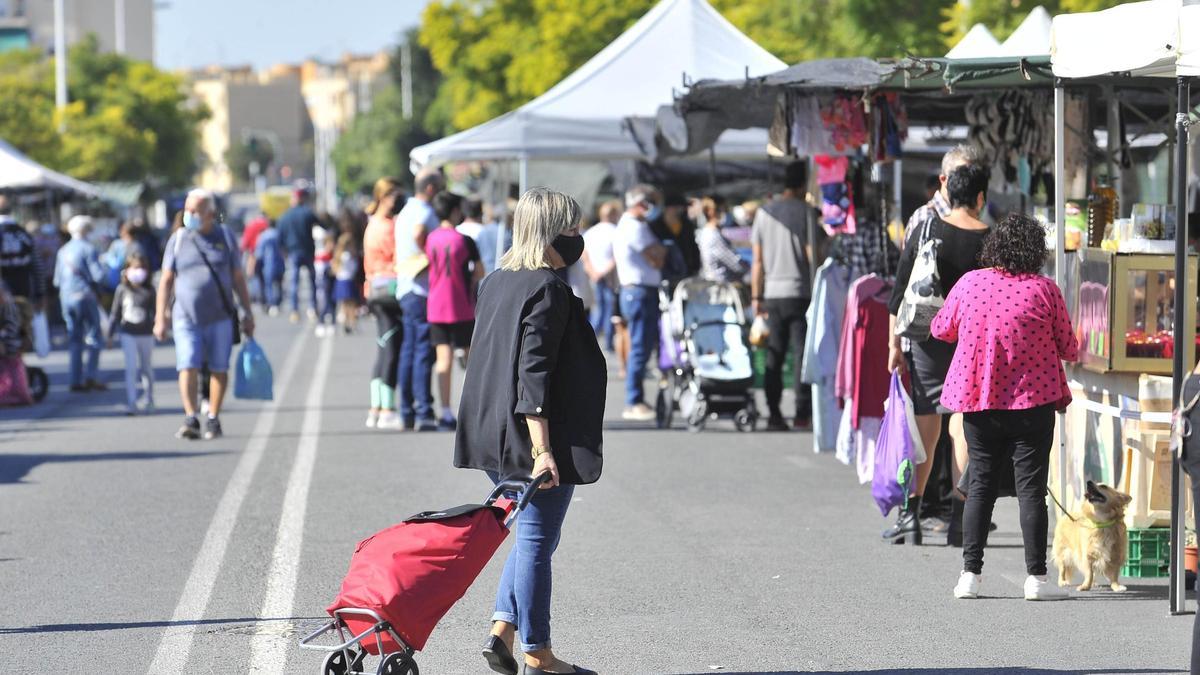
77 274
295 235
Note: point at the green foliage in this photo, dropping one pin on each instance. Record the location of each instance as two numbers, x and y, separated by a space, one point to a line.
127 120
1003 16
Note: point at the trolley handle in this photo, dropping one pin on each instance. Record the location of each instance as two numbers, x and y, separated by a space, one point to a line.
527 488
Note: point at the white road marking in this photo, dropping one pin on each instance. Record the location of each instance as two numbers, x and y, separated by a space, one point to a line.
268 652
176 643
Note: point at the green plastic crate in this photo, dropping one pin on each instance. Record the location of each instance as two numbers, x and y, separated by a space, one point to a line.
1149 553
759 358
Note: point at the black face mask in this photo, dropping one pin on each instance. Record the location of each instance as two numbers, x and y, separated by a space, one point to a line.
569 248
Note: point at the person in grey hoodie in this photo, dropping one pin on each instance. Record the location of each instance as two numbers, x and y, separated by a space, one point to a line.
133 309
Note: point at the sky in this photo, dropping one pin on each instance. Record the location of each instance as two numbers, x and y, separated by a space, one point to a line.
261 33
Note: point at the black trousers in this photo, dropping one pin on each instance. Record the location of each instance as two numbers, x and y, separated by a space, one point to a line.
788 326
1191 466
1027 436
391 332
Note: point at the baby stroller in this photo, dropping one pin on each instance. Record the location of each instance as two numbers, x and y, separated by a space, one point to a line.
402 580
704 356
39 382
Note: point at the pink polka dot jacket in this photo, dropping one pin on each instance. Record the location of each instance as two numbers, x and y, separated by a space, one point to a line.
1013 334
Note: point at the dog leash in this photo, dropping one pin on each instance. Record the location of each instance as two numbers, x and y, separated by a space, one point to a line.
1094 524
1060 506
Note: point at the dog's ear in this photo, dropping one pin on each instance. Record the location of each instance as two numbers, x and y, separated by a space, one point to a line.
1125 499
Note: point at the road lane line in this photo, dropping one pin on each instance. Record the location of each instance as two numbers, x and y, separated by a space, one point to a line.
176 643
268 652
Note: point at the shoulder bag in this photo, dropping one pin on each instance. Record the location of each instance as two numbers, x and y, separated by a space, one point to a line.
923 296
226 300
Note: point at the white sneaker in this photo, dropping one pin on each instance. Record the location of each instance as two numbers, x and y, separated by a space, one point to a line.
1040 588
638 413
968 586
388 419
372 419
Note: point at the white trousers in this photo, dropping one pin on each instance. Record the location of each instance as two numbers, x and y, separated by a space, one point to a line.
138 352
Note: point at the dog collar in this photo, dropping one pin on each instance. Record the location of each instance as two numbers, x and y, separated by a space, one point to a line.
1099 524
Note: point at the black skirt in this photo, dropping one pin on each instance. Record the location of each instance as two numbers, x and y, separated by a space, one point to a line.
930 363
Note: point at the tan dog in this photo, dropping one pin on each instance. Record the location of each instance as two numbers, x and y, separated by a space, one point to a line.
1095 539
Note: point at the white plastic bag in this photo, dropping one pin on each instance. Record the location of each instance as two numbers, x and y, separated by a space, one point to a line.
41 335
918 445
759 332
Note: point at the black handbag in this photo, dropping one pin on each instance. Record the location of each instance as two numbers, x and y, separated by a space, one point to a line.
226 300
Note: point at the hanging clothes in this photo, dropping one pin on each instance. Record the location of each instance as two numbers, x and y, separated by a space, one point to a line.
846 122
809 134
889 127
825 315
837 199
857 378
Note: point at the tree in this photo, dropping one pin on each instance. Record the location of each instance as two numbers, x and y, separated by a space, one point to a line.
127 120
249 159
1003 16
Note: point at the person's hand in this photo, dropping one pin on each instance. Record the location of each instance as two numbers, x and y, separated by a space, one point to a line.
545 463
248 325
160 330
109 342
758 307
896 361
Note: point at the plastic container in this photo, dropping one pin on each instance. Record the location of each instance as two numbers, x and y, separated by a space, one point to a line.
1149 553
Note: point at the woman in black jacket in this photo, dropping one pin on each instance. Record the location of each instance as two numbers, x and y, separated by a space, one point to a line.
533 403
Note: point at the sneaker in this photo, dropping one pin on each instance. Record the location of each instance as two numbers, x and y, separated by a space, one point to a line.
409 424
638 413
447 423
273 311
320 331
294 317
1040 588
968 586
190 429
212 429
130 410
312 314
96 385
79 387
429 424
388 420
372 419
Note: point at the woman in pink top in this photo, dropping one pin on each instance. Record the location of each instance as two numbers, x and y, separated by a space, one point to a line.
1007 378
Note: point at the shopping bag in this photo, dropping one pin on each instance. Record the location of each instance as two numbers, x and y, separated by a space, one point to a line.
14 383
253 379
914 432
923 296
41 335
894 464
759 332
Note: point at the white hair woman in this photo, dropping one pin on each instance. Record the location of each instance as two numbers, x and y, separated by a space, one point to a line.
533 403
77 274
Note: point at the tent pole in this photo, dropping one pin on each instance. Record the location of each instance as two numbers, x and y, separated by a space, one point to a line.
523 174
1178 597
1060 249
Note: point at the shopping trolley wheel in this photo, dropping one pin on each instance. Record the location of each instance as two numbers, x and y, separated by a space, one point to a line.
398 664
39 384
335 663
745 420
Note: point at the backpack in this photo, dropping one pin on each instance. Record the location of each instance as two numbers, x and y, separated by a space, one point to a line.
923 296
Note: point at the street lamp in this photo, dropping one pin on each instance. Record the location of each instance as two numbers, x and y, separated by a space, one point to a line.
60 56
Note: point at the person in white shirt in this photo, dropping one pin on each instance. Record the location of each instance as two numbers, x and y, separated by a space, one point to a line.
472 223
639 257
601 269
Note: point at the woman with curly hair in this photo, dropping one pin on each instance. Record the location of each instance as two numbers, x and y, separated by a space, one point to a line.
1007 379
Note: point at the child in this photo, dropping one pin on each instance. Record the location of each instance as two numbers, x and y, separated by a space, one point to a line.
133 316
345 266
452 283
323 277
268 256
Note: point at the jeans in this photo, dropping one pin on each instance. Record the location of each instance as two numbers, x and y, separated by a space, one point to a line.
602 311
788 326
416 360
138 351
297 262
273 292
523 598
1026 436
83 334
639 306
323 289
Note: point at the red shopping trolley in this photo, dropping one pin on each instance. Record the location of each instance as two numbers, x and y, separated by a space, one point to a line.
404 579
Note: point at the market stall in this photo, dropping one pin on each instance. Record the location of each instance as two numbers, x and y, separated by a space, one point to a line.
1136 288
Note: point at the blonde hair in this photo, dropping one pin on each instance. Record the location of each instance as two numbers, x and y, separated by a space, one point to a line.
383 187
541 215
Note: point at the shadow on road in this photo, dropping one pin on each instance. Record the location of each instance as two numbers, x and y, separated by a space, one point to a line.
14 467
1011 670
94 627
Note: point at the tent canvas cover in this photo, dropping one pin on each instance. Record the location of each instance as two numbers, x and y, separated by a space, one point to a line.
19 173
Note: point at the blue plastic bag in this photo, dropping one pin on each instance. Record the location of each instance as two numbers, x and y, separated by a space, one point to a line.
252 378
894 457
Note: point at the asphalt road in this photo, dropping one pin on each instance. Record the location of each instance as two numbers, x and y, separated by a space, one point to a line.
123 550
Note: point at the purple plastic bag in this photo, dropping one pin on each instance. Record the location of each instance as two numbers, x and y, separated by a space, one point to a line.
893 453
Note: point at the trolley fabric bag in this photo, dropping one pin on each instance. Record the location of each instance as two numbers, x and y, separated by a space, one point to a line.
412 573
894 467
253 378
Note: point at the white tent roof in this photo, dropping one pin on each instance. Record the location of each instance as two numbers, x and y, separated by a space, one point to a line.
582 117
18 172
1032 37
977 43
1157 37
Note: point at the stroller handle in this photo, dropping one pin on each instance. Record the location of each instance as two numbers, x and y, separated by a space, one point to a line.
527 488
705 324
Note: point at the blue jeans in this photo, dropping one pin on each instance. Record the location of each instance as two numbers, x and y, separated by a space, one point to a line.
602 311
523 598
416 360
83 333
639 306
324 291
297 262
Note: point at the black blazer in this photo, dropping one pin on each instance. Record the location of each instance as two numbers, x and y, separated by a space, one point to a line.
533 353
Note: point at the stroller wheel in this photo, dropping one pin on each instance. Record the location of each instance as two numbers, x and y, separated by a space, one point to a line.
336 664
698 417
745 420
398 664
39 384
664 410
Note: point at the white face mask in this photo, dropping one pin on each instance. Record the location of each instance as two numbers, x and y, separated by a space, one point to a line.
137 275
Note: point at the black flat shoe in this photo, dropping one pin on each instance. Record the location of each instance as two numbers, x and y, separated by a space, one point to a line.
530 670
498 656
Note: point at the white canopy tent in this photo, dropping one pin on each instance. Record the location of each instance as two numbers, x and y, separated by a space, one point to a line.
977 43
1030 38
19 173
1156 38
583 117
